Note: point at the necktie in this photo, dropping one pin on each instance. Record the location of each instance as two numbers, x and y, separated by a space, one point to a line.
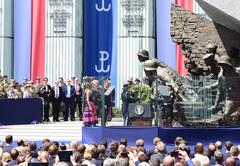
76 89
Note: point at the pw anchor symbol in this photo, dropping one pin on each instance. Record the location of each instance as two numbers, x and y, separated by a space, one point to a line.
102 60
103 7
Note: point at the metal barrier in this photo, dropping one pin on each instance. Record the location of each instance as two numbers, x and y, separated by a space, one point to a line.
21 111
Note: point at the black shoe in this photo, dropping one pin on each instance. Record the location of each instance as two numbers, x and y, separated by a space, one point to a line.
109 118
46 120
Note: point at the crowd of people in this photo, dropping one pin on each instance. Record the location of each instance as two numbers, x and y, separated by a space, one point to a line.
118 153
66 97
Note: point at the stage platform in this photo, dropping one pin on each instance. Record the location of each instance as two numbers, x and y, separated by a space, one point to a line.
67 131
56 131
192 135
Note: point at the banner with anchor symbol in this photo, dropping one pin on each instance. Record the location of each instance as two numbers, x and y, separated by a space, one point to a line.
98 37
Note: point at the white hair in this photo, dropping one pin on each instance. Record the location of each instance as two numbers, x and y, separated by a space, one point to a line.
109 162
143 164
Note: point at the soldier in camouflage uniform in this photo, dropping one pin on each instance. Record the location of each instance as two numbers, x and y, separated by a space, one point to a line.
11 92
2 92
37 85
18 91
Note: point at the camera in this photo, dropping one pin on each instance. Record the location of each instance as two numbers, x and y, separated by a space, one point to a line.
124 154
175 154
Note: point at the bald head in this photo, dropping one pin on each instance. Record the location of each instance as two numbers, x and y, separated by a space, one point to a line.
168 161
230 161
218 145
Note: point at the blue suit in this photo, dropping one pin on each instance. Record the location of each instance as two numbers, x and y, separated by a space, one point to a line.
69 102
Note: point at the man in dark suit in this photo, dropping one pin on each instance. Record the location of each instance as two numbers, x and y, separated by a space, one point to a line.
161 152
78 97
46 93
69 93
109 100
56 100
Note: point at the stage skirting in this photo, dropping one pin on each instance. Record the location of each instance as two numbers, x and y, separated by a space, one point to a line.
192 135
20 111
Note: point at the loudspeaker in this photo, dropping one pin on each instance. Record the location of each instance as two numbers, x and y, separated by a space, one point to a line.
139 111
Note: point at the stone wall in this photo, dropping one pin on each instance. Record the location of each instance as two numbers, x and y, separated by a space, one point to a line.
193 32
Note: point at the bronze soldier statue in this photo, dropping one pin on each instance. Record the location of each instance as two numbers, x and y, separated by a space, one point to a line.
211 60
228 87
167 74
159 71
213 71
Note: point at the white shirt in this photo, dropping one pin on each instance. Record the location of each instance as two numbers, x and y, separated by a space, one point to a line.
27 94
68 91
56 92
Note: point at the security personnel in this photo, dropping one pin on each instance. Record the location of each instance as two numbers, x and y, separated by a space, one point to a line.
46 93
125 101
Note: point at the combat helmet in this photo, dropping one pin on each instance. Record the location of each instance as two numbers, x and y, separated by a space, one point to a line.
225 60
213 46
143 53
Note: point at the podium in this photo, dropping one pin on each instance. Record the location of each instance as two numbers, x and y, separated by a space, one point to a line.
139 114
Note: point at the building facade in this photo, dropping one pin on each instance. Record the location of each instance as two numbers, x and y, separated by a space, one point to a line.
6 37
64 42
64 39
136 30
